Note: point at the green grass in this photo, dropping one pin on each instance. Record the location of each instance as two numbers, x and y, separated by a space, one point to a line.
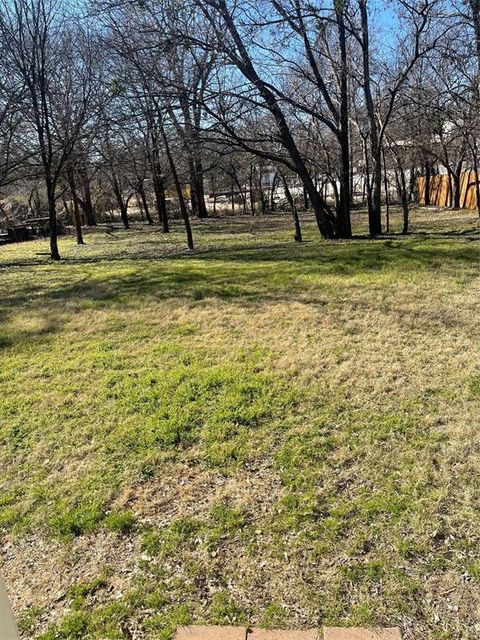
258 432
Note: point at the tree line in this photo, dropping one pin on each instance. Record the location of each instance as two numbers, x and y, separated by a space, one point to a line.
138 99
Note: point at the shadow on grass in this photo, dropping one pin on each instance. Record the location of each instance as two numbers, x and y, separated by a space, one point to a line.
51 325
267 272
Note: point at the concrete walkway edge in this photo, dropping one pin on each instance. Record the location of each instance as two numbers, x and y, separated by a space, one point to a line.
328 633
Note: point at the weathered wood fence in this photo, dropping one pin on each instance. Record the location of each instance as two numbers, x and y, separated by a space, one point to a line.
442 187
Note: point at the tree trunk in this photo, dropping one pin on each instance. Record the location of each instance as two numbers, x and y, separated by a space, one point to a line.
153 143
306 203
367 181
352 177
241 191
78 225
457 190
343 225
200 189
263 204
364 190
213 194
193 189
387 197
123 208
272 191
124 215
296 221
375 210
70 219
477 175
402 189
86 202
375 223
34 202
428 174
323 216
140 206
178 187
412 183
143 199
252 194
159 190
190 135
450 187
76 210
52 218
161 204
336 194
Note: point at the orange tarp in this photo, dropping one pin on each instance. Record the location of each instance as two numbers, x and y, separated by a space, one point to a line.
440 191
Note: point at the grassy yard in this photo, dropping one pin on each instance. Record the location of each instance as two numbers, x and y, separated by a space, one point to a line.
259 432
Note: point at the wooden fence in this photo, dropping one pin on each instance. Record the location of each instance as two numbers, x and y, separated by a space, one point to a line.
441 191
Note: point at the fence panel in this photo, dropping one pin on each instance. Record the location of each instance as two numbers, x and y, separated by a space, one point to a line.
441 190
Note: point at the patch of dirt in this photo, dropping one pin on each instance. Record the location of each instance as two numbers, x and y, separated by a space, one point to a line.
39 572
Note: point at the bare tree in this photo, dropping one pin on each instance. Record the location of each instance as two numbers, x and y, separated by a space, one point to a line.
54 60
419 36
235 49
14 148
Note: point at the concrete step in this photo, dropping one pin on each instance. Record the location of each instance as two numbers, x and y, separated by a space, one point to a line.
211 633
328 633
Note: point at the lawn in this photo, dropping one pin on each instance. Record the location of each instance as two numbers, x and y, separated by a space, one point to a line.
258 432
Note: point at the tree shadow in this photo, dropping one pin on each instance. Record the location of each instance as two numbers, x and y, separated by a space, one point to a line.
242 272
50 325
249 274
